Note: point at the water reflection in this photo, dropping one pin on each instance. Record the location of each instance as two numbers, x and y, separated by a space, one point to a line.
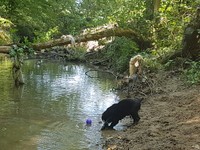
50 111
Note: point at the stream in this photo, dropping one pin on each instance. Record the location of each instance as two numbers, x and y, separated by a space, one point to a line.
50 111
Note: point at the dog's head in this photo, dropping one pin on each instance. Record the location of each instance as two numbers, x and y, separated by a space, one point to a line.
109 112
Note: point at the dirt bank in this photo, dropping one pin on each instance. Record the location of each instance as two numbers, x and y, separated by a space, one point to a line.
170 119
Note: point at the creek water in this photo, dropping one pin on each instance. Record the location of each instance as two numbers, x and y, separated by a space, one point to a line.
49 112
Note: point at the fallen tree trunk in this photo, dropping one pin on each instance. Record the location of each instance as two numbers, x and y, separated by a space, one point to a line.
104 32
142 42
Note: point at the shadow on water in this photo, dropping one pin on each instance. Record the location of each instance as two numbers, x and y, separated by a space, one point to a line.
50 110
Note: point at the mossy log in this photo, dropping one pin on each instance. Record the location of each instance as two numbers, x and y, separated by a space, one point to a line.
5 49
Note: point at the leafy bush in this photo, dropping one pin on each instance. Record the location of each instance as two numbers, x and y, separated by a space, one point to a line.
176 64
20 52
119 53
151 63
192 73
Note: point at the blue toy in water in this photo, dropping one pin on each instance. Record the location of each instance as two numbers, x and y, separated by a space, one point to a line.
88 122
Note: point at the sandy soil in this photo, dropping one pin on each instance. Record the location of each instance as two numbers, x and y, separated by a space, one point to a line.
170 119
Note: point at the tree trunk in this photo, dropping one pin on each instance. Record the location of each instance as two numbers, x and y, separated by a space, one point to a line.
191 41
191 38
156 5
17 72
152 7
149 13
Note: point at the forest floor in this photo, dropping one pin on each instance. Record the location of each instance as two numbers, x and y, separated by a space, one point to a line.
170 119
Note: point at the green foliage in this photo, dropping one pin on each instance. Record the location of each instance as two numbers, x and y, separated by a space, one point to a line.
169 64
4 38
45 36
192 73
37 18
151 63
70 16
169 24
119 53
125 13
5 23
20 52
176 64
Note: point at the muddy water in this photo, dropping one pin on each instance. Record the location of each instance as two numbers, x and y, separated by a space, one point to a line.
50 110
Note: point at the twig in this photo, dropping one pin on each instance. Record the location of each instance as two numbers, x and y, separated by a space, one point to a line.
86 73
98 70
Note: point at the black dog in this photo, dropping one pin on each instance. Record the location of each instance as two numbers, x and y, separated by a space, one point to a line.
116 112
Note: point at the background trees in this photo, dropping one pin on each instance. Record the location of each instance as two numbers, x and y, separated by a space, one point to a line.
161 21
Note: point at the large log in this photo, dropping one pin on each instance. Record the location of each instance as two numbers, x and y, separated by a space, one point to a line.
91 36
107 32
